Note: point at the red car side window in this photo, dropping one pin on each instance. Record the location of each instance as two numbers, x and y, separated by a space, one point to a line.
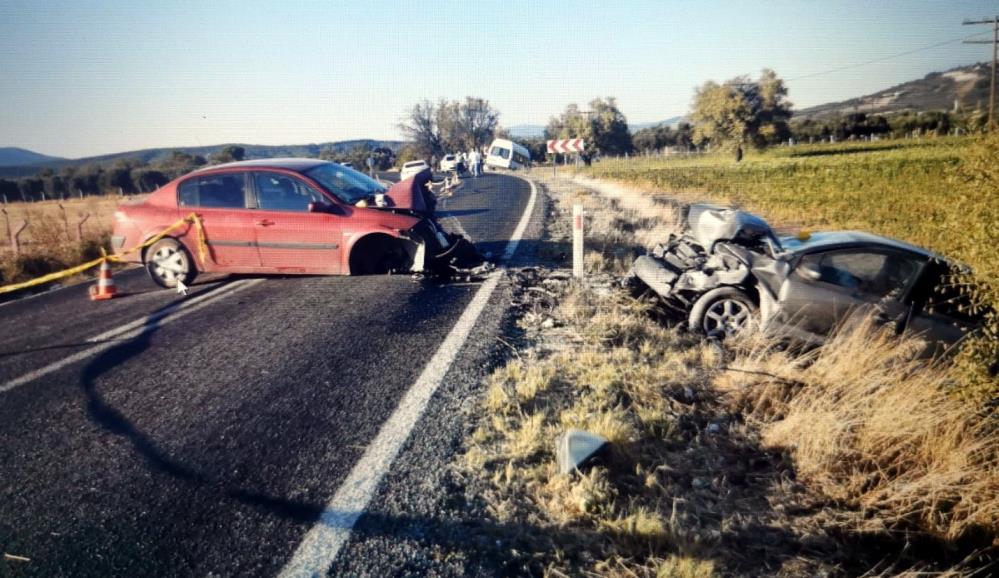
224 190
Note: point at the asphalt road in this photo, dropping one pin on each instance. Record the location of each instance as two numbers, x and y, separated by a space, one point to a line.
206 437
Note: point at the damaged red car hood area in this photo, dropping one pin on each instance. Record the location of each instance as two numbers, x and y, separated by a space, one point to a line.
412 194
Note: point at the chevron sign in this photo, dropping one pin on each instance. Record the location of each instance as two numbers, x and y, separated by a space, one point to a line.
566 145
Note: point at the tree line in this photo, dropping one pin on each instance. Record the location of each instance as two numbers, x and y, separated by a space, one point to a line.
132 176
740 112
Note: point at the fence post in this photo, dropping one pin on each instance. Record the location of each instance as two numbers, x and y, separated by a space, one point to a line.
15 240
65 221
6 219
577 241
79 226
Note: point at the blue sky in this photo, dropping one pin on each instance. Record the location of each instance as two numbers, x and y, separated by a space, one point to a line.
82 78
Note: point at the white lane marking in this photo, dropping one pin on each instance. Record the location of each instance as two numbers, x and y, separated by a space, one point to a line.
321 544
134 329
456 223
112 333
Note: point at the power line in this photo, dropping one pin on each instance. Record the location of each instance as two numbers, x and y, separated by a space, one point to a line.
884 58
861 64
995 56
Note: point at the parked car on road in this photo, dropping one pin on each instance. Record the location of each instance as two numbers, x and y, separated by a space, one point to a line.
449 163
729 272
286 216
412 168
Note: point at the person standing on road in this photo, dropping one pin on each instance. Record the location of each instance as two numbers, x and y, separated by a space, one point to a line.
371 166
476 161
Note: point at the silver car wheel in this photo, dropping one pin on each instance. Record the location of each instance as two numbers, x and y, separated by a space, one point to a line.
169 264
728 316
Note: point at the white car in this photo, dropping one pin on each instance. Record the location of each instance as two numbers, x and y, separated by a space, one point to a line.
412 168
448 163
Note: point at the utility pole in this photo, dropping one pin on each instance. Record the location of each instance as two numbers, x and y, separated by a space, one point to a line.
995 55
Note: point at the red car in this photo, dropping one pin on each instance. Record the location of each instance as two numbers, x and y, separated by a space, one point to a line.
284 216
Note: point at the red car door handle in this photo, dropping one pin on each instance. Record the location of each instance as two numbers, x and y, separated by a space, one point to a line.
264 223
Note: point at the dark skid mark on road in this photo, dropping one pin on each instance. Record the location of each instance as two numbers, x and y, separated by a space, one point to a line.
115 422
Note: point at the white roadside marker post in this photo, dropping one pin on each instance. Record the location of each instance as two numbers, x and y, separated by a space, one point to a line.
577 241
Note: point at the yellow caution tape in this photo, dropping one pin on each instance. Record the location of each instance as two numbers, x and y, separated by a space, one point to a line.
203 254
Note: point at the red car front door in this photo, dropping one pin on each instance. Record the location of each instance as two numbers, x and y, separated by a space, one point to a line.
289 238
221 200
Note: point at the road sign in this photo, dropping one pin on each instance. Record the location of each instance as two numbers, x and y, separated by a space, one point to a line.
566 145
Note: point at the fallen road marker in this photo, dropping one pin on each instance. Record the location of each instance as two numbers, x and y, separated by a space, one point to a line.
323 542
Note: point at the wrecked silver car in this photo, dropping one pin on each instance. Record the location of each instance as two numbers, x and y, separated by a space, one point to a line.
729 272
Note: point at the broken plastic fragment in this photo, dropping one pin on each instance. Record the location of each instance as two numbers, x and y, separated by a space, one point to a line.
575 448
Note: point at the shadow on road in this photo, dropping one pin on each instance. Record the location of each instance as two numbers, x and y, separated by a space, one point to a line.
117 423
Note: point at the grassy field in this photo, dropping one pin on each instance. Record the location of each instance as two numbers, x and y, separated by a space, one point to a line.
49 242
939 193
902 189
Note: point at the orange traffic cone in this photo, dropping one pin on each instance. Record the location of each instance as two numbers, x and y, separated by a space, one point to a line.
105 288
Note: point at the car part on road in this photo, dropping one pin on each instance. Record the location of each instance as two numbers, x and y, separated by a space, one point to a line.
168 262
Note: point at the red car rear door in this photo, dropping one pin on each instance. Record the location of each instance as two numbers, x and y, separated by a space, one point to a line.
289 238
222 201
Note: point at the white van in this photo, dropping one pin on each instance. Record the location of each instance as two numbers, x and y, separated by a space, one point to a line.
506 154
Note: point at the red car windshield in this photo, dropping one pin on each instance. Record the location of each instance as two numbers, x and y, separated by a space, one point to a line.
343 183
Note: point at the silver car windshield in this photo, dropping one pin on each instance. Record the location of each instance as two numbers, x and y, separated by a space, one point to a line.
344 183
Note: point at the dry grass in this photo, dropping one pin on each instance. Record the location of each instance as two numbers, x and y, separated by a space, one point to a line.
873 427
49 242
746 460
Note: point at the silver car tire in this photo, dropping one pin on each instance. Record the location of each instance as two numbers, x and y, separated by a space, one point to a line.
167 261
723 312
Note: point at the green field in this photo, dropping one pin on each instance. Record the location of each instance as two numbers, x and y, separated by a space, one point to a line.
902 189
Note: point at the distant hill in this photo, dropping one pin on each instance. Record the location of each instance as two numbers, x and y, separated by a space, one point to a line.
671 122
158 154
967 86
527 131
13 156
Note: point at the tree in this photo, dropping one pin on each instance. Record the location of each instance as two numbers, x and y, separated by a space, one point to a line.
742 111
477 122
422 128
9 191
31 189
54 186
229 153
658 137
449 126
604 128
147 179
181 163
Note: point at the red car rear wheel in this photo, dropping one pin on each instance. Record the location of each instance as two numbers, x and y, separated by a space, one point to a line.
167 262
